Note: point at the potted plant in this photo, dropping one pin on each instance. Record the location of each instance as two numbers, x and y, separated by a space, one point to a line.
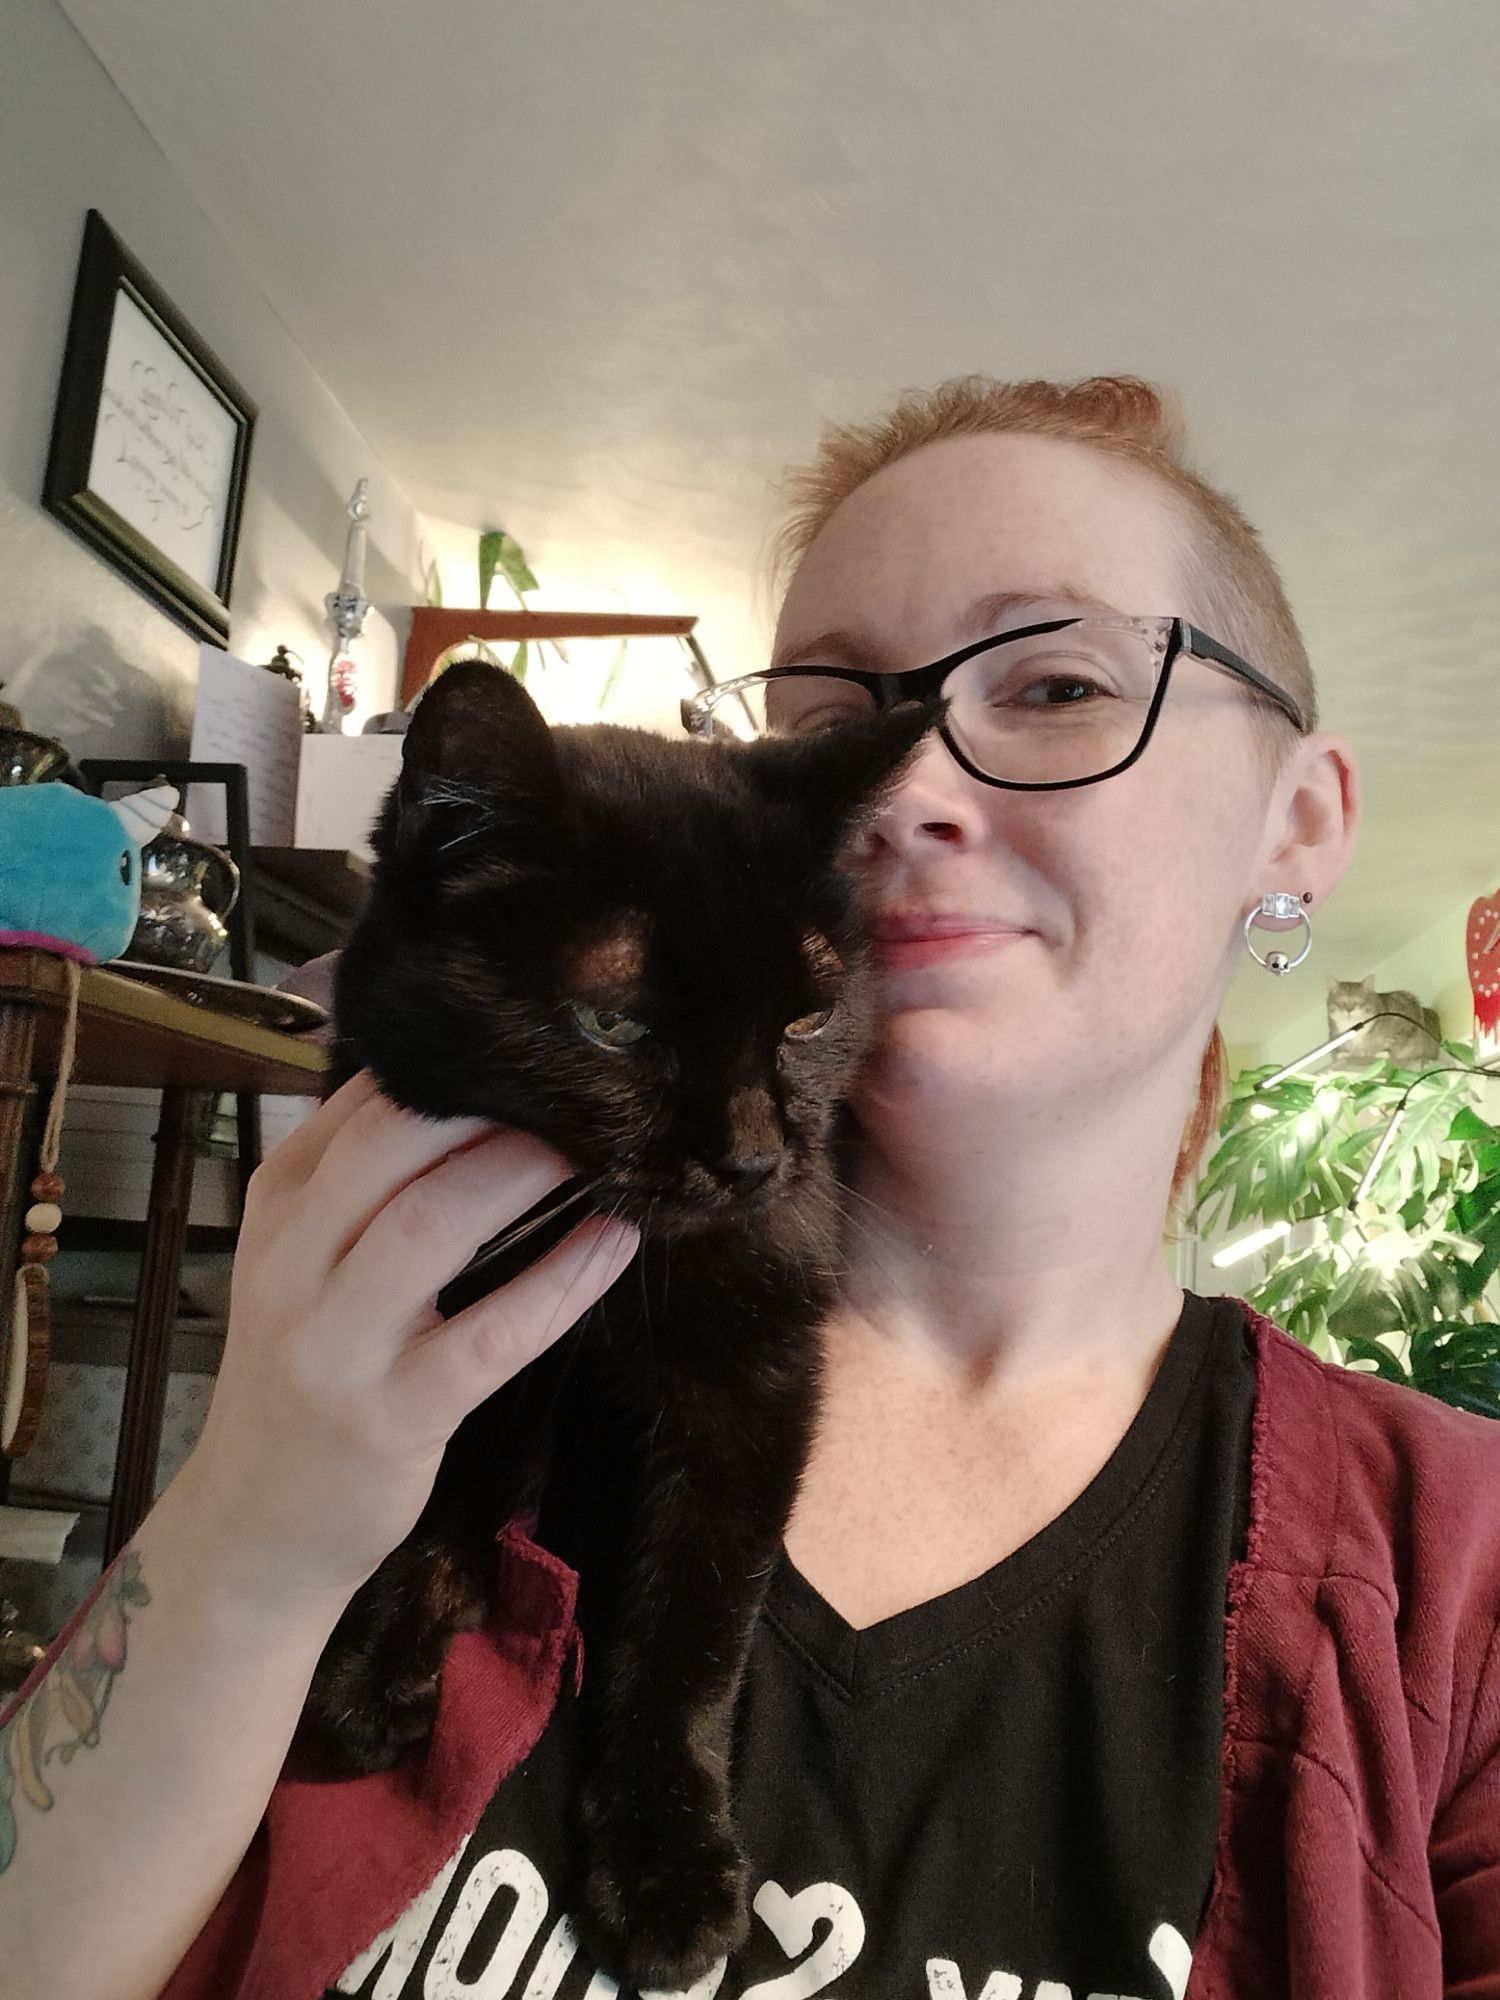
1395 1271
440 633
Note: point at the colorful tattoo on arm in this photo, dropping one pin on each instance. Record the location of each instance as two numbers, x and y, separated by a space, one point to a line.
62 1713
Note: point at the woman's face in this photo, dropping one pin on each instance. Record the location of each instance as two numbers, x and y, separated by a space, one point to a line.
1107 919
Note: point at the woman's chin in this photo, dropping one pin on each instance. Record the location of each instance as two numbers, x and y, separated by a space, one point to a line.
932 1058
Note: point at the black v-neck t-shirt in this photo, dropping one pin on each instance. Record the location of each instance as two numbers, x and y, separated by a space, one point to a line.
1008 1793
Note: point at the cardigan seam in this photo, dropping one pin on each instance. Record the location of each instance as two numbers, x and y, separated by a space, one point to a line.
1298 1755
1333 1535
1467 1778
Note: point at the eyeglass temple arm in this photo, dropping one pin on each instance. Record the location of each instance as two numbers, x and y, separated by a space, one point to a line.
1203 648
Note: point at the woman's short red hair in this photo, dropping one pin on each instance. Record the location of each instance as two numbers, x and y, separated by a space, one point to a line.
1233 588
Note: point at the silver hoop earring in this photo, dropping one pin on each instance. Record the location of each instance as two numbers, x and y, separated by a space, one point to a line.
1279 903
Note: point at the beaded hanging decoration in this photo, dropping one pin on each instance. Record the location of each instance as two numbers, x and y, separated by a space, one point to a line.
25 1383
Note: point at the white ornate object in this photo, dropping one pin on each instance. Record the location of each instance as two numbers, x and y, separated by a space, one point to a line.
346 613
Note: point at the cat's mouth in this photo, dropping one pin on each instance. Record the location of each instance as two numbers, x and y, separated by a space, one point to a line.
660 1213
698 1200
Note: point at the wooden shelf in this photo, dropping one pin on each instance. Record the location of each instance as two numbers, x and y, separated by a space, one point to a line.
130 1033
434 628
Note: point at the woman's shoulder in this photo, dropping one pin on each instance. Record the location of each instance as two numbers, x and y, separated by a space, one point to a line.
1454 1445
1361 1477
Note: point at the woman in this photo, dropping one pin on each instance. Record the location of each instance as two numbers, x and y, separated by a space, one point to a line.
1002 1740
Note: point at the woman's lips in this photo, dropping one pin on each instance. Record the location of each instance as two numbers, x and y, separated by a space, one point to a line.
912 939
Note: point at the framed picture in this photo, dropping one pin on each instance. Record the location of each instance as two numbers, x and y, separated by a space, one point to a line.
151 440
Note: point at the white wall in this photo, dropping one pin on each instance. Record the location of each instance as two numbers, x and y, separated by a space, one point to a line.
85 655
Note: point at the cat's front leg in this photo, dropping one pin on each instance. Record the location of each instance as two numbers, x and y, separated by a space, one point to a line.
665 1888
374 1692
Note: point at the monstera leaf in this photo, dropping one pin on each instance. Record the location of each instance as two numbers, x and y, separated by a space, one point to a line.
1406 1282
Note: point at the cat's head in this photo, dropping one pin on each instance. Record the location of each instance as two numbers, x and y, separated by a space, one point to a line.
1350 1000
643 951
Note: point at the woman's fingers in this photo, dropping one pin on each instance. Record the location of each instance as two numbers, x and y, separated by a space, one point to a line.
324 1197
303 1147
451 1369
412 1242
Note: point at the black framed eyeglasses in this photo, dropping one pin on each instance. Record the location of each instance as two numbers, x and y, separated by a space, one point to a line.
1041 708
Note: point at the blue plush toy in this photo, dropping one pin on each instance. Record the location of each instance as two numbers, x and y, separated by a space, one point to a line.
70 867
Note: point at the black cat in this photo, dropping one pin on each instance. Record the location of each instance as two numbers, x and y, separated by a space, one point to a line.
645 953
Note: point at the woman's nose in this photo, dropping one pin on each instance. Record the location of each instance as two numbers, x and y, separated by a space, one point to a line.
936 804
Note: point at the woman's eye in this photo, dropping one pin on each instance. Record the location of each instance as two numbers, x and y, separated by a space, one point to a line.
1057 691
610 1030
809 1025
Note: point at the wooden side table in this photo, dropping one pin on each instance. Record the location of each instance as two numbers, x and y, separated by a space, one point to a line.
130 1033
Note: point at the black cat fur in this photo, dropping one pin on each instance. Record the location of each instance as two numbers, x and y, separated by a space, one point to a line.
693 887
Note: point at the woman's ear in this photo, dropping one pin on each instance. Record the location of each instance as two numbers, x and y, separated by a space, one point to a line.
1311 821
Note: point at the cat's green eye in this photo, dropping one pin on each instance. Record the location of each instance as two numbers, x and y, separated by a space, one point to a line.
808 1026
605 1027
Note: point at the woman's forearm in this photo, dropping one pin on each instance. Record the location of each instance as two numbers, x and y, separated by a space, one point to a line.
135 1774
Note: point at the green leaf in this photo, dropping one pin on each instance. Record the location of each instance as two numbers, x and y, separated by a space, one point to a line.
1460 1363
489 556
1468 1128
518 662
1365 1312
1386 1364
613 675
514 566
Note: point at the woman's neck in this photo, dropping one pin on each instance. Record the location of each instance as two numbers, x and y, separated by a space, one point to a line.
997 1247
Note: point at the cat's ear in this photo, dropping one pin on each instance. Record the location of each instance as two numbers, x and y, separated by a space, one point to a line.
839 776
477 749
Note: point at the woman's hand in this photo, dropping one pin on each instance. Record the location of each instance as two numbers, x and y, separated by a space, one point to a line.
340 1383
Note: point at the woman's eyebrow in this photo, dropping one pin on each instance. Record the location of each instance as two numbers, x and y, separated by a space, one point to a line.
844 649
829 649
988 611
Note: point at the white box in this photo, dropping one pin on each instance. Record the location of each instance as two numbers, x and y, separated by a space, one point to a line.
341 783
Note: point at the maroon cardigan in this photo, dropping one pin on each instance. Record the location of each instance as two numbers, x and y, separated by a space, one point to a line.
1359 1833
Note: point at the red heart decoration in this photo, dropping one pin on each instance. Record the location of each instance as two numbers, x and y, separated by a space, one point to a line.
1482 947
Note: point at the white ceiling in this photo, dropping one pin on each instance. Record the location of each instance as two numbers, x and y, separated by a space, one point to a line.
597 269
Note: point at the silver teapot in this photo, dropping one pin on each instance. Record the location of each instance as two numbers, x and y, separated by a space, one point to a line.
188 888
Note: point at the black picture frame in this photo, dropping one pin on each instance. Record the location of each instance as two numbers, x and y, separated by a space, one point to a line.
178 425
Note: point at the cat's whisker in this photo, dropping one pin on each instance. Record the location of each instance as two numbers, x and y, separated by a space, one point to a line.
564 1197
844 1187
876 1245
666 1267
652 1206
582 1273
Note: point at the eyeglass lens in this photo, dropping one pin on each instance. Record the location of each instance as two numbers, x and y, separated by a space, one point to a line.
1053 707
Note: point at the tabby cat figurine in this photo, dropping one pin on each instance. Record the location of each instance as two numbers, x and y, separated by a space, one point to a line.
647 954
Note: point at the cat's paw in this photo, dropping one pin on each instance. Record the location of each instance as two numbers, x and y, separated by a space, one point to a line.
665 1892
374 1692
361 1719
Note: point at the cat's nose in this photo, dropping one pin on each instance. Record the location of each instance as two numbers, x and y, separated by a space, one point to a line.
743 1173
